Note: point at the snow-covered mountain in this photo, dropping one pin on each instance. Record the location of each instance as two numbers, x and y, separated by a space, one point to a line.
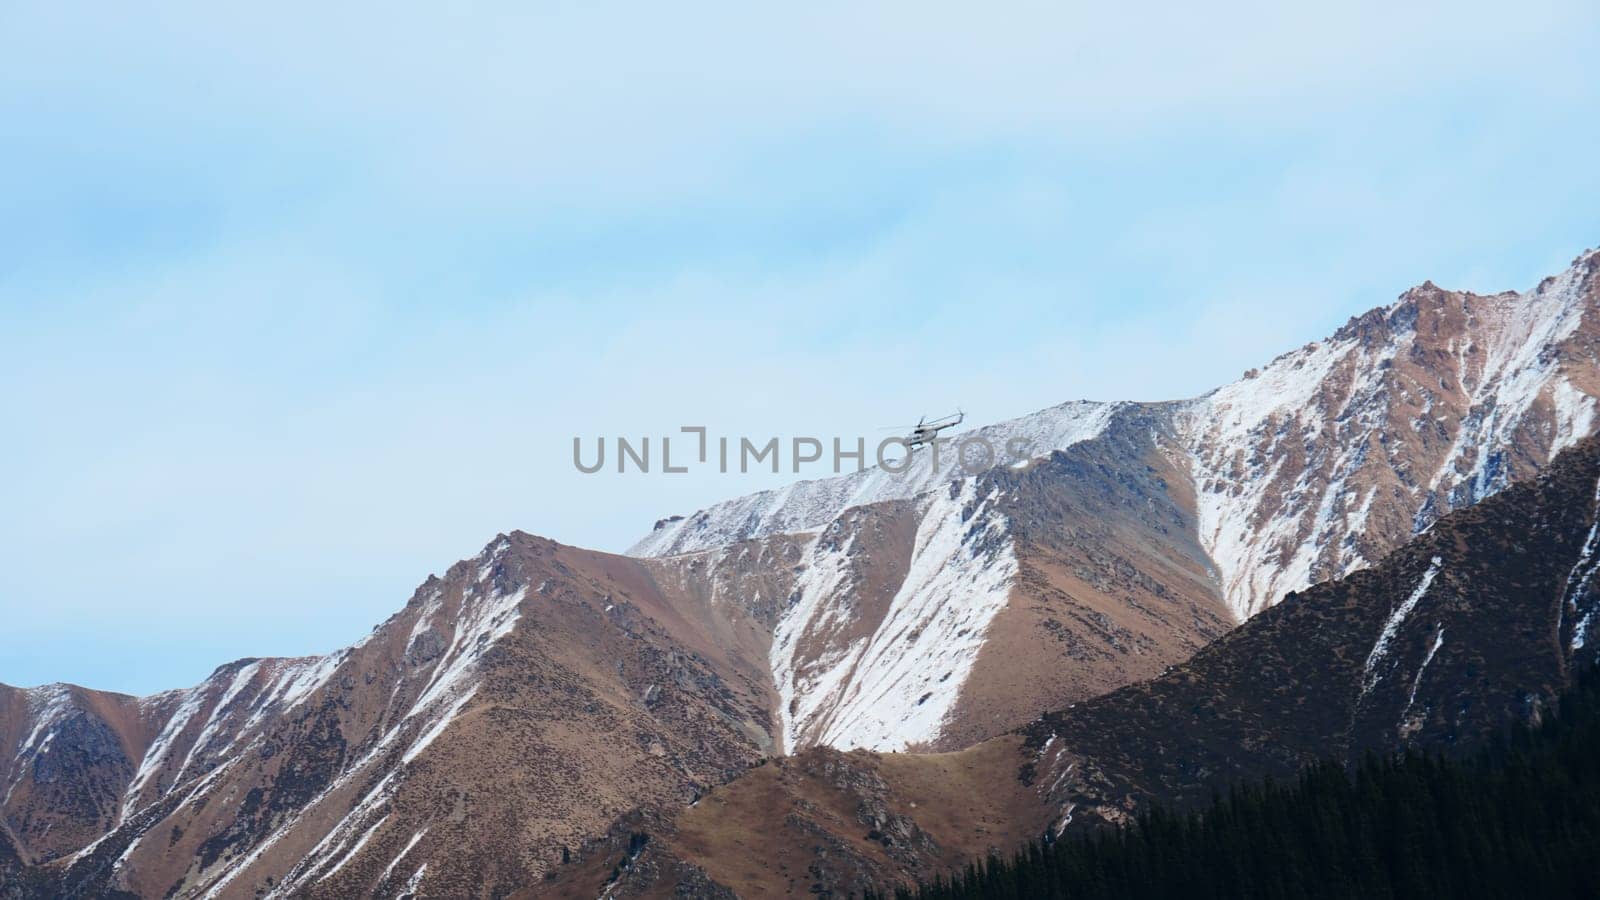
1306 469
539 697
807 506
1333 454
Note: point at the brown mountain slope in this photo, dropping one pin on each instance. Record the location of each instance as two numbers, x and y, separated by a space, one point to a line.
1470 626
518 705
80 748
1111 587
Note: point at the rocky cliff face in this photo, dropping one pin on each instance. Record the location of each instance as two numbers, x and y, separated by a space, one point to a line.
527 706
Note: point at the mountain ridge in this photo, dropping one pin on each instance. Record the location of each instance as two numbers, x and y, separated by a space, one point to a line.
568 690
1523 328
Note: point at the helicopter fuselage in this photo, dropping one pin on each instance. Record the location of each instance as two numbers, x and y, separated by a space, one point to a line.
925 434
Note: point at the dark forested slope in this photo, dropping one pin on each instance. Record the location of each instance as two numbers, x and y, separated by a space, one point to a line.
1520 818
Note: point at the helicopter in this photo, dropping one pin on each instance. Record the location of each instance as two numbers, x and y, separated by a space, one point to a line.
925 432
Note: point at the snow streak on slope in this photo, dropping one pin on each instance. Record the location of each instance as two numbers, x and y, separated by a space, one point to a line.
489 609
1577 594
807 686
1407 724
156 754
808 505
47 706
1518 369
1243 436
1334 452
229 709
1370 676
892 687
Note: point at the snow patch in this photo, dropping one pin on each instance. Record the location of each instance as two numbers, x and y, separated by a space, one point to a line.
1438 641
1325 408
1370 675
807 506
894 687
335 842
1580 581
1574 412
414 882
47 706
1268 538
354 849
240 680
389 870
1516 371
437 728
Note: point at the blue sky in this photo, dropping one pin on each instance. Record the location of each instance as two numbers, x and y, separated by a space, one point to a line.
298 306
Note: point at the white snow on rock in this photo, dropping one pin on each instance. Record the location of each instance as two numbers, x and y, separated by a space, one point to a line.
254 692
892 688
414 883
214 723
1577 593
402 855
487 613
1370 675
1239 441
1291 466
807 686
1416 682
806 506
1516 371
1273 455
1575 411
1280 458
354 849
47 707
